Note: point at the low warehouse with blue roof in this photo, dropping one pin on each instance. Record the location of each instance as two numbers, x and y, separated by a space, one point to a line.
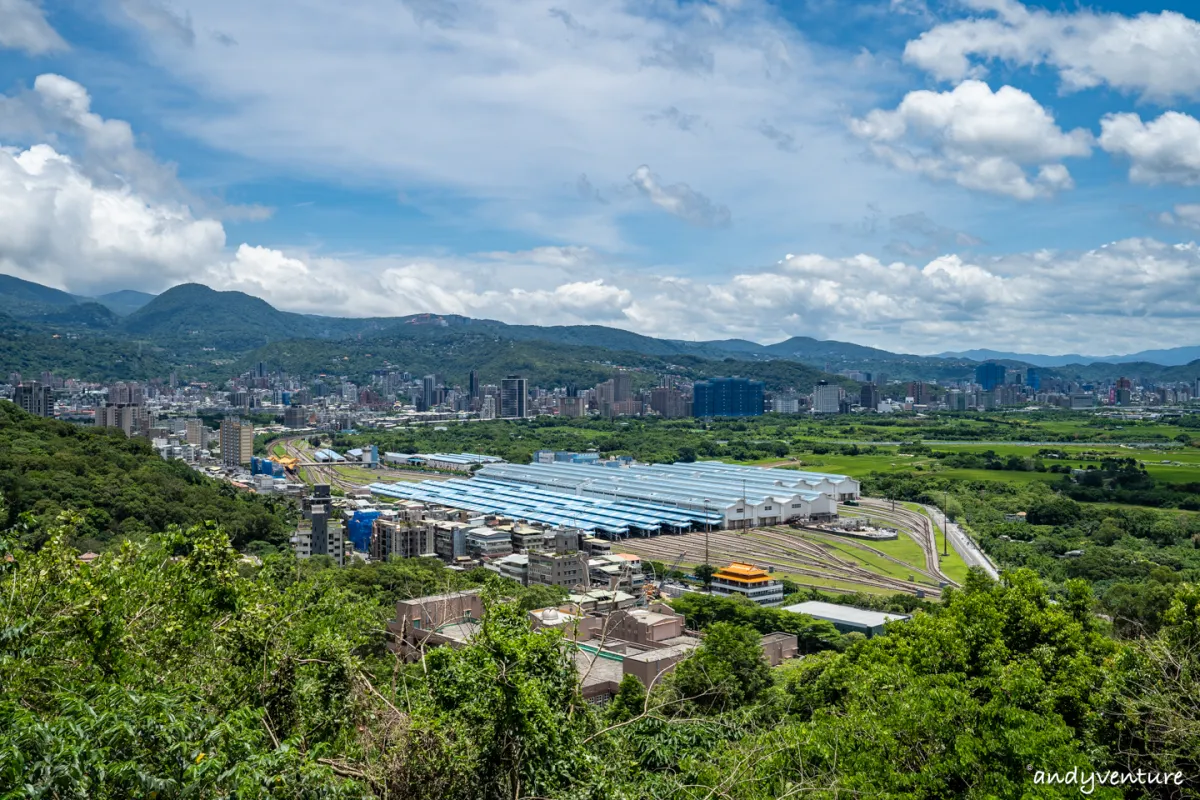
639 500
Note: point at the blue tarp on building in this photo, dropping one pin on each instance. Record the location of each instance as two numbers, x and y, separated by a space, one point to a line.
359 529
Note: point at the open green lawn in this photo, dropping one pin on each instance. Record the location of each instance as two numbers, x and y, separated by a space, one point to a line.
1183 466
279 450
358 474
997 475
903 548
952 563
872 561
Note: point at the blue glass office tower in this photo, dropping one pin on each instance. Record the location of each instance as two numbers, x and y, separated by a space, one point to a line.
1032 379
727 397
989 375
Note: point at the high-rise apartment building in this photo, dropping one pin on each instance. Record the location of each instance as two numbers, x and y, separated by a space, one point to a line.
669 403
921 393
400 538
36 398
125 394
785 404
727 397
514 397
989 375
428 393
133 419
320 533
193 430
622 387
827 398
237 442
868 396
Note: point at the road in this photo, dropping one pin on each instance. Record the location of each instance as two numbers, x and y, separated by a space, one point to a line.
936 442
964 544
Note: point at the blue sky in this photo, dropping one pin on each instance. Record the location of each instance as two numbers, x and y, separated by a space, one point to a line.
908 174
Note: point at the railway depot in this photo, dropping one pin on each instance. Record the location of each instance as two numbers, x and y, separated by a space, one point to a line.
639 499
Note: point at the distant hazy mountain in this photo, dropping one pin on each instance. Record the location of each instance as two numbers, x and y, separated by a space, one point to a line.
21 298
124 302
192 310
1172 357
26 300
191 318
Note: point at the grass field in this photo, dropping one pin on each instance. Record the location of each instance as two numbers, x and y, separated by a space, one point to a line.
871 561
1180 465
357 474
279 450
952 563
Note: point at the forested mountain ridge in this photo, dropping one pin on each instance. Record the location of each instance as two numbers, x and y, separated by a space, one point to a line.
189 321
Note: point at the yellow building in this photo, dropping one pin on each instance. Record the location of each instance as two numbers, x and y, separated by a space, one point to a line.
749 581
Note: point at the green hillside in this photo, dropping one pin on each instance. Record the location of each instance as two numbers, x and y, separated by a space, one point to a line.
120 486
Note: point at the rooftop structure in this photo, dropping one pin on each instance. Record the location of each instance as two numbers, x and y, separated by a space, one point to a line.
641 499
752 582
707 486
847 619
449 462
612 519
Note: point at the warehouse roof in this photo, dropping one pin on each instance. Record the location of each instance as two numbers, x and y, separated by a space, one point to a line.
551 508
832 612
665 484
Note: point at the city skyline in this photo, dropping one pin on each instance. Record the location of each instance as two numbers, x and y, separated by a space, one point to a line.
698 171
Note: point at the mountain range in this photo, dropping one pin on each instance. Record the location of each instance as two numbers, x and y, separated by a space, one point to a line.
1171 357
190 322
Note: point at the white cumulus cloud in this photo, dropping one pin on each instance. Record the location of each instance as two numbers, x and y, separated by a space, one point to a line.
58 226
1153 55
680 200
23 26
978 138
1164 150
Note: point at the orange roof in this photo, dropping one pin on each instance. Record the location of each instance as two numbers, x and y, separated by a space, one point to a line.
628 556
739 571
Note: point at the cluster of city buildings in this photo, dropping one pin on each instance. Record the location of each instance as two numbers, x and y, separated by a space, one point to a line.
607 641
388 398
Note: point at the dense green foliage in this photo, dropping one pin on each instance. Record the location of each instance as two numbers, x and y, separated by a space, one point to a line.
1135 558
168 669
648 439
770 437
1126 481
160 671
119 486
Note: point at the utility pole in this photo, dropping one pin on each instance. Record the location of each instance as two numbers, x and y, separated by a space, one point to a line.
745 521
707 526
946 525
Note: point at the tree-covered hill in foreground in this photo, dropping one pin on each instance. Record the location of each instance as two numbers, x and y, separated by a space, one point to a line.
119 486
167 669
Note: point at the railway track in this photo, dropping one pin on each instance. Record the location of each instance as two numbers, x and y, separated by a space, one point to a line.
918 526
786 551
